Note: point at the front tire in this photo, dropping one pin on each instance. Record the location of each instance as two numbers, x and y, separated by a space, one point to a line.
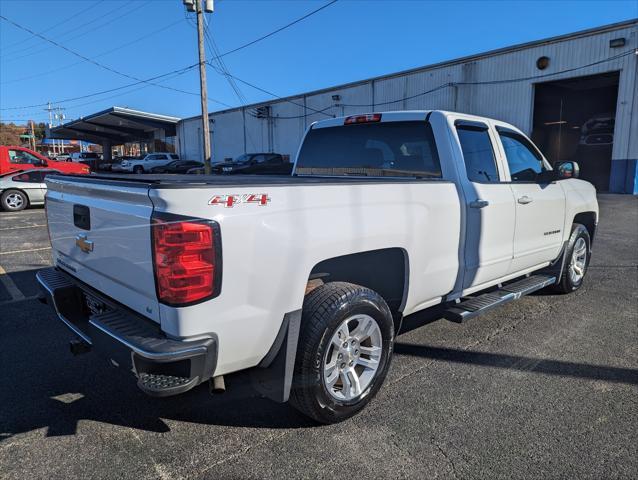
14 200
138 169
344 351
577 257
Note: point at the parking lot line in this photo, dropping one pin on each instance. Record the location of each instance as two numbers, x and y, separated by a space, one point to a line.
11 287
18 228
25 251
16 300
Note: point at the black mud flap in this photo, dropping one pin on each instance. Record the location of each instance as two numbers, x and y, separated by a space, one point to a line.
272 378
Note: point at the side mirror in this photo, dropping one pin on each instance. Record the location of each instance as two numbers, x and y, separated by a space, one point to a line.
568 170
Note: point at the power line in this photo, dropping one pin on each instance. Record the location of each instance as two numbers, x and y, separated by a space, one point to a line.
179 71
74 107
20 54
223 70
87 59
68 19
172 74
279 29
222 65
124 45
266 91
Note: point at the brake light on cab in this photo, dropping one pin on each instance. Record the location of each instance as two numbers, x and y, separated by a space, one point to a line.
187 259
367 118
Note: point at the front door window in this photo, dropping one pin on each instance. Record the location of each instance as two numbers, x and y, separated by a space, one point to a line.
22 157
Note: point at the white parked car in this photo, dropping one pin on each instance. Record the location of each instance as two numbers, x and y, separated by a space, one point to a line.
145 164
305 279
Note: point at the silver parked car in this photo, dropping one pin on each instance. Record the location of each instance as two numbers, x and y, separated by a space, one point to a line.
20 189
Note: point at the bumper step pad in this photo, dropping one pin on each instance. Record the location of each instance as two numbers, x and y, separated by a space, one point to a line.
474 306
164 385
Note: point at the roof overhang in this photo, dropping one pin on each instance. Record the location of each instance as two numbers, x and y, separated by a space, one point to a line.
118 125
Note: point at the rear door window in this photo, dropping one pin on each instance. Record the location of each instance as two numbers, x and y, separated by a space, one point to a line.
395 149
478 154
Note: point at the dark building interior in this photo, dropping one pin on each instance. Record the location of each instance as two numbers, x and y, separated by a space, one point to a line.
574 120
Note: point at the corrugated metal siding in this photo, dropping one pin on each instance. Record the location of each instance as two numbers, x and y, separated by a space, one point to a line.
511 102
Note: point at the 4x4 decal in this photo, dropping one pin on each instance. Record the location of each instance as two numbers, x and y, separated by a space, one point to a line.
230 201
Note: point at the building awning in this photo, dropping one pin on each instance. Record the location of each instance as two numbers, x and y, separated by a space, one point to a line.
116 125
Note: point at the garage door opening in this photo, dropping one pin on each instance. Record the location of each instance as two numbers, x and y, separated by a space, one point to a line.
574 120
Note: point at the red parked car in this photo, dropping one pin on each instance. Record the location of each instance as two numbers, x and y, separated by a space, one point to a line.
20 158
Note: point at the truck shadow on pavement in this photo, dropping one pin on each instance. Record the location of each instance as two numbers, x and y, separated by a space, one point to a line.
61 403
510 362
44 386
520 363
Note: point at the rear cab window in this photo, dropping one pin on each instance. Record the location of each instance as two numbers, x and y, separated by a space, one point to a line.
384 149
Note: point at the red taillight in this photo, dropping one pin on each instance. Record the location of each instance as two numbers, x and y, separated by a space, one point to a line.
368 118
187 260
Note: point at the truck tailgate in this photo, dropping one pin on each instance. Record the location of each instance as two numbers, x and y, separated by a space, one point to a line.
100 234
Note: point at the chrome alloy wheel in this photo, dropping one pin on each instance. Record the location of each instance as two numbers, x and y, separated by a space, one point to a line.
14 201
352 358
578 262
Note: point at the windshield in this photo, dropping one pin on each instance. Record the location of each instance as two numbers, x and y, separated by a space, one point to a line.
243 158
392 149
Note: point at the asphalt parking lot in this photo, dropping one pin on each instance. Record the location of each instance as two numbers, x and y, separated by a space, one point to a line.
545 387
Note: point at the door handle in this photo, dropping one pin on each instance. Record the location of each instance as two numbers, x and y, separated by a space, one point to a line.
525 200
479 203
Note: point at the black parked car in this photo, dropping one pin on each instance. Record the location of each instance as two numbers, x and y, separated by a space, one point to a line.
177 166
255 163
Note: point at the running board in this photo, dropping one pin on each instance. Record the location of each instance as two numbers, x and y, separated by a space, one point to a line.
473 306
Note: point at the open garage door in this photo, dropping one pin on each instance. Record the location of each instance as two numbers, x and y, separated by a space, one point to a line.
574 120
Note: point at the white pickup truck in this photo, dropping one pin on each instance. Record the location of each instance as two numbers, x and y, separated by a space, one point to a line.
305 279
144 165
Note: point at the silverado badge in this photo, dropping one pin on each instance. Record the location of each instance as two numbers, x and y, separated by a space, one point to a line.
85 245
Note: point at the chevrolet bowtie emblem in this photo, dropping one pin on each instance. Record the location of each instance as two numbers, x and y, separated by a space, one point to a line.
85 245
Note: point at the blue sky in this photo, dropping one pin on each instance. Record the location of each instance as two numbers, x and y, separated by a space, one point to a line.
347 41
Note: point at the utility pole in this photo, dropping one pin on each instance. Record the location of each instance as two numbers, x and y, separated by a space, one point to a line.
199 7
50 110
32 139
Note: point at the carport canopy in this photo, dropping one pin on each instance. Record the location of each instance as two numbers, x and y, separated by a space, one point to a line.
116 126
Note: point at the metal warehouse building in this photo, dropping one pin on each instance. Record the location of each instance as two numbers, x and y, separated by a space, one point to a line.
575 95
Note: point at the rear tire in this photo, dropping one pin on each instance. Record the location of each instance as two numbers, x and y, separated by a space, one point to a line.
14 200
344 351
577 256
